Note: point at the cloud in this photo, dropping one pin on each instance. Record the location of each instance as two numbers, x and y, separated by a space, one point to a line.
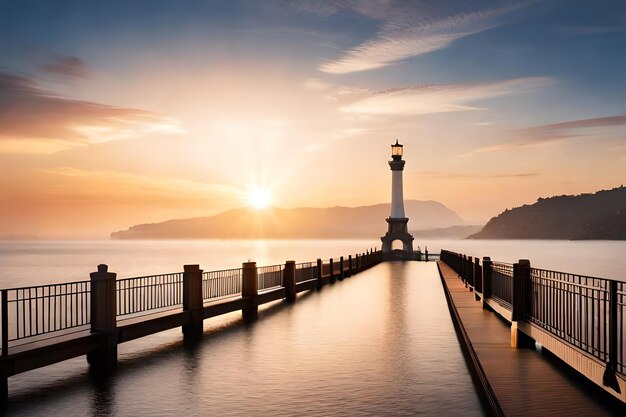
36 120
544 135
66 66
412 29
315 84
568 129
426 99
432 174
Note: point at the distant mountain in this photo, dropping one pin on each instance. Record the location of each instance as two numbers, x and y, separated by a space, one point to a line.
297 223
587 216
452 232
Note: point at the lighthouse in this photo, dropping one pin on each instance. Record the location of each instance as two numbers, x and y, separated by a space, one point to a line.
397 221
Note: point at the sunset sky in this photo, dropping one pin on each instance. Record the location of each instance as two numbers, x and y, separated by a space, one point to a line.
114 113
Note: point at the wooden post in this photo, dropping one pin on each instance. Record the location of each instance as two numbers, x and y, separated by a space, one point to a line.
521 273
4 379
320 280
609 378
349 265
103 359
478 279
331 268
463 269
426 253
487 268
5 322
249 291
192 302
341 270
289 281
470 272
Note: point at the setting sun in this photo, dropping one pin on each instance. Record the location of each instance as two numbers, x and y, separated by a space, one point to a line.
259 198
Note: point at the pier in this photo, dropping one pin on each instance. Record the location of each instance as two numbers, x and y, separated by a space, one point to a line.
505 312
52 323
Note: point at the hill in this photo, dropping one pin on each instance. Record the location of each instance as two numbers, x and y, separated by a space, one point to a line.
297 223
599 216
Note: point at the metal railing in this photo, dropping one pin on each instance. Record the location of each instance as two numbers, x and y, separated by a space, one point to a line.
621 327
270 276
223 283
30 312
573 308
326 267
39 310
152 292
585 312
502 283
306 271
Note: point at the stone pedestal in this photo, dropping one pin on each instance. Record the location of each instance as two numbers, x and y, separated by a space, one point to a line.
397 230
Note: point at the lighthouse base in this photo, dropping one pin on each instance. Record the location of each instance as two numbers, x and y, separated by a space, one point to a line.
398 230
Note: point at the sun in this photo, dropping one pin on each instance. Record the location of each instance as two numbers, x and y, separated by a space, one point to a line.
259 198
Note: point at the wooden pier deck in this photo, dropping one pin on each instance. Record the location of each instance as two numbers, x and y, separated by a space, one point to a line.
524 381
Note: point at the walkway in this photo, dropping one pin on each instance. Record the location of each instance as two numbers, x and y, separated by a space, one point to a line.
525 382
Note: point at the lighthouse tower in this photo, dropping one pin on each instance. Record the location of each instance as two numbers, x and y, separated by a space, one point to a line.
397 220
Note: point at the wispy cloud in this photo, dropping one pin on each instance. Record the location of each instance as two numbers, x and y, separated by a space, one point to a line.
574 127
411 31
66 66
36 120
538 136
425 99
442 175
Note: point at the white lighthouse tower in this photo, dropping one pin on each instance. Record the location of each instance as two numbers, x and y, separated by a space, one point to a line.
397 220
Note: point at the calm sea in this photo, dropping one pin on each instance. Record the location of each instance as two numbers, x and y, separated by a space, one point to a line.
379 343
27 263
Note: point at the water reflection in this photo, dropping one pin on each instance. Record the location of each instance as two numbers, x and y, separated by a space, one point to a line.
379 343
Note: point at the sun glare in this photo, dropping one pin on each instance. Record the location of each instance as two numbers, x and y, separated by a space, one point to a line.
259 198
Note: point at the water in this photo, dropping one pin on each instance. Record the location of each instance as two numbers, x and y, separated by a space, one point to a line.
38 262
379 343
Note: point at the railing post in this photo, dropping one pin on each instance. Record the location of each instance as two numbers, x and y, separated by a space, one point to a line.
341 273
4 379
464 269
609 378
320 280
103 320
192 302
349 265
5 322
487 270
289 281
470 272
461 264
426 253
521 274
478 279
331 268
249 291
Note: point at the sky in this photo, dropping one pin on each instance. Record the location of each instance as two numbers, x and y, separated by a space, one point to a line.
124 112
